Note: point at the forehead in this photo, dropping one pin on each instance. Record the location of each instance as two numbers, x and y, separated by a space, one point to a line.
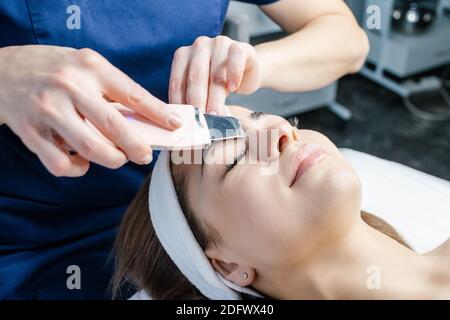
242 114
238 111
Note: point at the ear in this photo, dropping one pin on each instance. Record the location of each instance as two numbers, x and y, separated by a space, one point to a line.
239 274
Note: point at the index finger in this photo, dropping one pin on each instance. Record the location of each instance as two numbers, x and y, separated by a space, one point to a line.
117 86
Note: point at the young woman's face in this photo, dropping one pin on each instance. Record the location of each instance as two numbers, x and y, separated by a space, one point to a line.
288 195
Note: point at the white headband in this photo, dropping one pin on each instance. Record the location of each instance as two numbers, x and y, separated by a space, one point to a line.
176 237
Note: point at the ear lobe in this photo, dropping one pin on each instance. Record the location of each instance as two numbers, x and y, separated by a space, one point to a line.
242 276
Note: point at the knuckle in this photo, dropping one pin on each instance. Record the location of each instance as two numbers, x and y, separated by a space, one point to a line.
115 123
59 167
141 150
218 78
61 78
44 105
135 94
87 147
180 53
201 41
247 46
117 162
175 85
222 40
84 170
88 57
194 76
237 48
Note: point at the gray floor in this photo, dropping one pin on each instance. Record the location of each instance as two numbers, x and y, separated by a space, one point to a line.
382 126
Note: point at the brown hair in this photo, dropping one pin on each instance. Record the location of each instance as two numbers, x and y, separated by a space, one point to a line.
142 262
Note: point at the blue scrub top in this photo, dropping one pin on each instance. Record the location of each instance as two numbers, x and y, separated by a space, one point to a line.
46 223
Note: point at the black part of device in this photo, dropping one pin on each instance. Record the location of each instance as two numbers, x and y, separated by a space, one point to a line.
413 16
221 128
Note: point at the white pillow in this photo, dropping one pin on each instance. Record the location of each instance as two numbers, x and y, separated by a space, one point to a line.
416 204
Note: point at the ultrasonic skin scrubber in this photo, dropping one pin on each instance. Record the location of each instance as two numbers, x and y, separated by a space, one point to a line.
198 131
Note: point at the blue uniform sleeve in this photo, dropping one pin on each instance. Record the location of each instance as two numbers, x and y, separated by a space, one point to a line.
259 2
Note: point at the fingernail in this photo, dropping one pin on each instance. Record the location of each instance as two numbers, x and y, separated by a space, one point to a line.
148 158
232 86
175 120
213 112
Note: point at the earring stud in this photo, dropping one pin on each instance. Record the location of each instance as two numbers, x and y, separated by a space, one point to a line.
245 275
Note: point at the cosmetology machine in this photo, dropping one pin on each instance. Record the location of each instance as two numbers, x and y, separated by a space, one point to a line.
410 38
246 22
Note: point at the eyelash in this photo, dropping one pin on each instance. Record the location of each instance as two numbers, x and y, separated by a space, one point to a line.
293 121
256 115
230 166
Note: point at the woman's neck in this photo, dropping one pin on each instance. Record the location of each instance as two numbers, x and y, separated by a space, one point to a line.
365 265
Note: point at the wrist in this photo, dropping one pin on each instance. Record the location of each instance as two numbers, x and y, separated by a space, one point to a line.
266 63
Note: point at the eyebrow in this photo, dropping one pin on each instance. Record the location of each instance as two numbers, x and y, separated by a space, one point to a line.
255 115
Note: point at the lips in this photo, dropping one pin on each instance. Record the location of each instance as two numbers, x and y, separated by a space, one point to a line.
304 159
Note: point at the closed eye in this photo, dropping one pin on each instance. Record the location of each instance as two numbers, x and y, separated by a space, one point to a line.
238 158
256 115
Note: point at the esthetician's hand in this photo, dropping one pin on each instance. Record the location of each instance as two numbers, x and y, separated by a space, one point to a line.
204 73
47 92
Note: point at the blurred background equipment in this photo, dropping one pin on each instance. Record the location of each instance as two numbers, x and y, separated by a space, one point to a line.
247 23
412 17
414 39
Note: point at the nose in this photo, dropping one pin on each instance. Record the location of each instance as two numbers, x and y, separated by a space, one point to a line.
272 140
281 136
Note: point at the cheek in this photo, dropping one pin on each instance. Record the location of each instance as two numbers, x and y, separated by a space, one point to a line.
249 217
261 225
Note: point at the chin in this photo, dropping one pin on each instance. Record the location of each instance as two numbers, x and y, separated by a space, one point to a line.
344 189
337 191
345 183
334 177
